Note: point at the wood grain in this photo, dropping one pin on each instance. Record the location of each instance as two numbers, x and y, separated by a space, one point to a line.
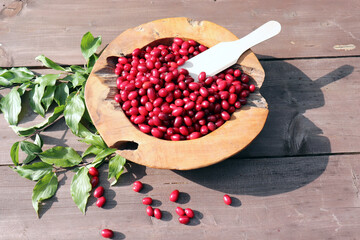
310 28
314 197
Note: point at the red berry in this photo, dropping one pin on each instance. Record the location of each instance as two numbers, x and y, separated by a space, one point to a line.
138 183
227 199
252 88
180 211
101 201
244 78
225 115
202 76
94 181
174 196
107 233
137 186
184 219
147 201
237 73
150 211
157 213
99 192
189 212
93 171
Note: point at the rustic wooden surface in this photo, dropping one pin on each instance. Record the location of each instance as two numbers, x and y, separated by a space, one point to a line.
299 179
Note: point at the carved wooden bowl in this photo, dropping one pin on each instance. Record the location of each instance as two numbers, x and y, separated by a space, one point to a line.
117 130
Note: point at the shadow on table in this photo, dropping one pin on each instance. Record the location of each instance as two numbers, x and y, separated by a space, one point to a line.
287 132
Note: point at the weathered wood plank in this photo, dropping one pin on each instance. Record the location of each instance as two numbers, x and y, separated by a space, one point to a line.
306 98
310 27
302 197
313 108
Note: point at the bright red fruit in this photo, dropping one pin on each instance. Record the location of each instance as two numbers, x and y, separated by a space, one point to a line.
93 171
174 196
107 233
94 181
180 211
189 212
157 213
184 219
101 201
99 192
147 201
150 211
227 199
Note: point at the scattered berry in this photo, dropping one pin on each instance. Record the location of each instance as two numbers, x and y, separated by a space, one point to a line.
101 201
150 211
107 233
157 213
174 196
94 181
184 219
137 186
189 212
227 199
99 192
93 171
180 211
147 201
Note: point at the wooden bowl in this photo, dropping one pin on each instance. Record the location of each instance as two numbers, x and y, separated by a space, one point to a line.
117 130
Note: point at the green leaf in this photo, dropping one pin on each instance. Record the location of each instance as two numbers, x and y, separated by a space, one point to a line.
80 188
48 97
30 149
78 80
14 153
116 168
44 189
101 156
21 75
22 88
38 141
93 58
90 138
34 171
92 150
49 63
11 106
78 69
61 156
47 80
15 75
22 131
89 45
74 111
36 94
61 93
5 77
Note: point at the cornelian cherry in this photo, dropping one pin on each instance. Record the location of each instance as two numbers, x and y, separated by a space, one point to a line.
162 100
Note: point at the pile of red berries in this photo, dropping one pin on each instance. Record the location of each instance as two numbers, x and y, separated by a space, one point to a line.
161 99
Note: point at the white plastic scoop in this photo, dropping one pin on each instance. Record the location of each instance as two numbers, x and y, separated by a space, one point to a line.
226 54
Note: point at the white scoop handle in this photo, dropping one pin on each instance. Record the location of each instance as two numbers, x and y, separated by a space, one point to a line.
262 33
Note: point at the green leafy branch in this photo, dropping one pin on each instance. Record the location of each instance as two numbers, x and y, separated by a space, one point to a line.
65 92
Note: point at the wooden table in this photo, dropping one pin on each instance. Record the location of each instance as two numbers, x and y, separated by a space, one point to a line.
299 179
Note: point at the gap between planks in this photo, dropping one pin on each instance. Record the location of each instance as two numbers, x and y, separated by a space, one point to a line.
269 157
